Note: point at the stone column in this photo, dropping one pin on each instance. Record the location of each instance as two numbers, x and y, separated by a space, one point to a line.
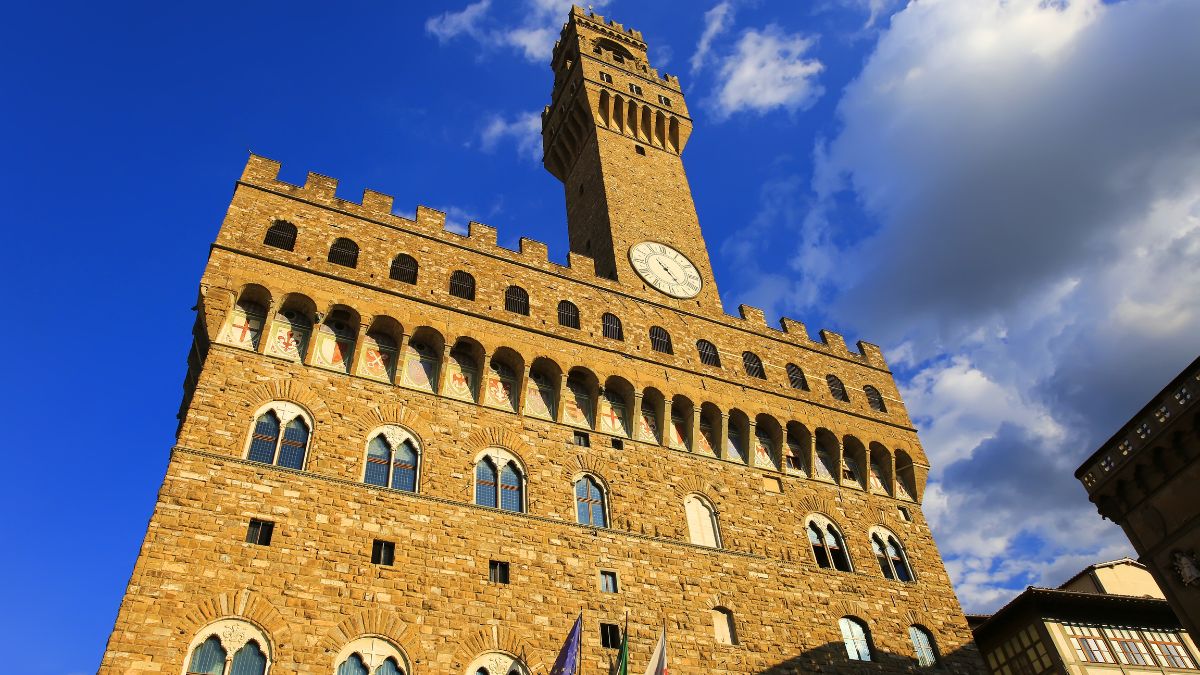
635 417
694 431
443 368
560 400
400 351
358 355
264 336
485 372
721 437
521 385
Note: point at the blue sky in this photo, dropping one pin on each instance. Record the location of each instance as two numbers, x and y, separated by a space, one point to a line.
1004 195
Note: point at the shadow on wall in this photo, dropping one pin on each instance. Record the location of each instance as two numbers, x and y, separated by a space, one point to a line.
832 658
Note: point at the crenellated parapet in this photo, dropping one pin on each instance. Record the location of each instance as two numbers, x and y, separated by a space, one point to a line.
376 209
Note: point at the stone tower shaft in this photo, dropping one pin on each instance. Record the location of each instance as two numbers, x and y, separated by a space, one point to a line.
613 134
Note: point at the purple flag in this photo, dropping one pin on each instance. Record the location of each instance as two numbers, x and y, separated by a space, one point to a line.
567 662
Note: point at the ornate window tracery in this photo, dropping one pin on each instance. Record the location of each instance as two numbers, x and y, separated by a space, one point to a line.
229 647
268 446
393 459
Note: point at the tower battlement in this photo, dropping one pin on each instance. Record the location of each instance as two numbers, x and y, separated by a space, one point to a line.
377 209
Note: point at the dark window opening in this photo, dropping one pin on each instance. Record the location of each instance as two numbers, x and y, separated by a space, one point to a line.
796 377
281 234
618 444
498 571
516 300
612 327
837 389
874 399
708 353
582 439
608 582
660 340
404 268
610 636
568 314
639 150
260 532
462 285
753 365
383 552
344 252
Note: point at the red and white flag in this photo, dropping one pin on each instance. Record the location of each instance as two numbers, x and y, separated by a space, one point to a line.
658 658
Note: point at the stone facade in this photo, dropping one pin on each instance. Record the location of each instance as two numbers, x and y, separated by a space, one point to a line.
1144 479
314 589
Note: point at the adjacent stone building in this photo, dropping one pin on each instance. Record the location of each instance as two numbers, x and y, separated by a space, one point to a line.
1145 479
402 450
1110 619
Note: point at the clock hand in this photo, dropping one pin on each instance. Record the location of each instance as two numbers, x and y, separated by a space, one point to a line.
668 271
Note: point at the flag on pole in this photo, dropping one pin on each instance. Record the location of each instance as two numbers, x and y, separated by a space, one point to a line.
623 655
658 658
567 662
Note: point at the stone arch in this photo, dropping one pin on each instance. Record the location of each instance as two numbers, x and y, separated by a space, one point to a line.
288 390
816 504
495 637
381 622
245 605
399 415
497 437
695 485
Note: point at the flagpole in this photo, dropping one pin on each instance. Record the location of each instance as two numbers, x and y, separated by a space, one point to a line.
579 643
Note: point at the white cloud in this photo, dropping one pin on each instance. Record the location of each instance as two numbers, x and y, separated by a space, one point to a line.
716 21
449 25
1032 170
524 130
533 34
767 70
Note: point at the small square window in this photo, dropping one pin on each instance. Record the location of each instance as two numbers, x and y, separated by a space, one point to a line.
664 100
618 444
605 77
260 532
582 439
383 552
634 89
639 149
610 636
904 514
497 571
608 582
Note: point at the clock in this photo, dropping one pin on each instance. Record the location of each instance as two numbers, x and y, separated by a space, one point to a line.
666 269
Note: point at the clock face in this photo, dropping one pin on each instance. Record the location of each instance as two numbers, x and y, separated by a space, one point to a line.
665 269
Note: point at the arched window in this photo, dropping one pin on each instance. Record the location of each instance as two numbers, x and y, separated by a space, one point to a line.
702 522
708 353
923 646
496 663
660 340
724 631
344 252
874 399
404 268
510 489
568 314
796 377
208 658
499 481
753 365
392 459
281 234
611 326
267 447
836 388
485 483
371 655
589 503
249 660
829 548
890 555
516 300
462 285
229 647
856 637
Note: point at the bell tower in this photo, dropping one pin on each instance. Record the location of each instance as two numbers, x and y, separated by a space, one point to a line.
613 134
